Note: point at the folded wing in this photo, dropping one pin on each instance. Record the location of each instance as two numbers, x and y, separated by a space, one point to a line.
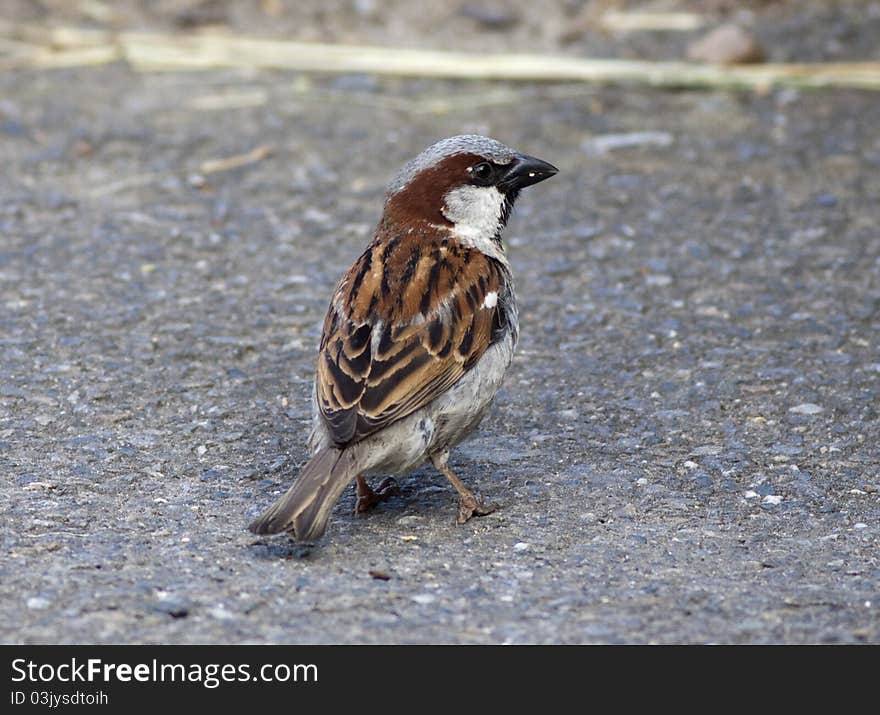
412 316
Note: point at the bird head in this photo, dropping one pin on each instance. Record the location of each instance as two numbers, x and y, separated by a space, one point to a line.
467 184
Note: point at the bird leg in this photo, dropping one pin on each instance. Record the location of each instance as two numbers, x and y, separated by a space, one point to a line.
367 498
469 504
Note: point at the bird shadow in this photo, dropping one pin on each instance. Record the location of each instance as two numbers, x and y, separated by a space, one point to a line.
285 549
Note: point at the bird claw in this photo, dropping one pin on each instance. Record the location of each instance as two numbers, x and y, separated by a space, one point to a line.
368 499
473 506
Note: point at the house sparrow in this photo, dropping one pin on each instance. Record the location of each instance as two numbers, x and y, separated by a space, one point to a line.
418 335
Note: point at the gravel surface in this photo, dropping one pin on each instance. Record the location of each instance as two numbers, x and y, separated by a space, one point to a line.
686 447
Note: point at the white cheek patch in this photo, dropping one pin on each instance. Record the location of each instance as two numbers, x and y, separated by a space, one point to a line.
491 300
475 211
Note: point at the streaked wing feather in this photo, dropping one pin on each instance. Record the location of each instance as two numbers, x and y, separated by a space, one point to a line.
407 321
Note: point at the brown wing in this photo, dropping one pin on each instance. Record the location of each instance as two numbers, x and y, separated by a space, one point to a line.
407 321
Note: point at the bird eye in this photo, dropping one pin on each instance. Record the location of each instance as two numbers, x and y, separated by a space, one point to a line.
483 173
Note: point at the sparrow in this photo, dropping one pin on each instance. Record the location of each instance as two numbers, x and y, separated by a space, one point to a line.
418 335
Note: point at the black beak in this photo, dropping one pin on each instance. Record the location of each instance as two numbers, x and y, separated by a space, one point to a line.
525 171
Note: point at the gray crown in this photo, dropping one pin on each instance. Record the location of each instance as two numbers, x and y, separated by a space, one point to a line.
491 149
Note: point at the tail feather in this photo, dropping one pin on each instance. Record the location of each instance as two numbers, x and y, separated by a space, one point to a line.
305 508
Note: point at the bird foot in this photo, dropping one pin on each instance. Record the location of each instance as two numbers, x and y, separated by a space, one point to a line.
471 505
368 498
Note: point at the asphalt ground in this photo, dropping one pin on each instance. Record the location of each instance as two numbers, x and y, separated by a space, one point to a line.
685 449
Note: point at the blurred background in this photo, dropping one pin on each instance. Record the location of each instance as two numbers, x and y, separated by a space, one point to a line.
779 30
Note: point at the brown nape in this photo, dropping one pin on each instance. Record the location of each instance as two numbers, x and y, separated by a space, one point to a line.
422 198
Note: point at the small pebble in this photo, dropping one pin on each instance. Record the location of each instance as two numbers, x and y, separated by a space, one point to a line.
772 499
38 486
807 408
221 614
173 606
728 44
521 546
493 16
658 280
826 200
605 143
706 450
424 598
628 511
365 8
38 603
